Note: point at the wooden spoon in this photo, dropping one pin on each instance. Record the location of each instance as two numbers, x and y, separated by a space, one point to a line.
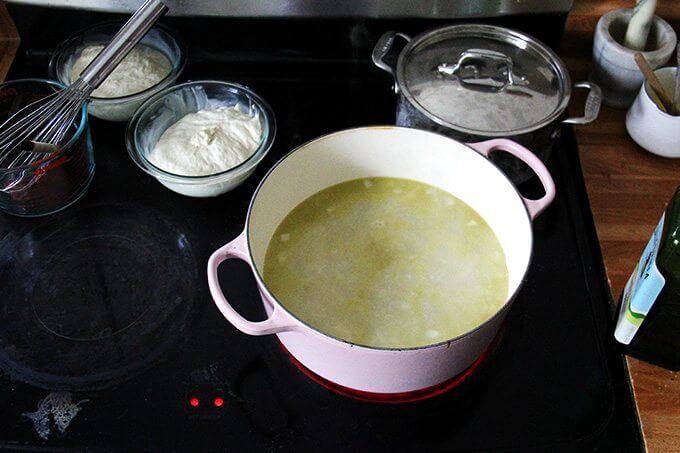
676 99
654 83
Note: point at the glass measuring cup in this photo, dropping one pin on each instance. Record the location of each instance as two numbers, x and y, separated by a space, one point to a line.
61 177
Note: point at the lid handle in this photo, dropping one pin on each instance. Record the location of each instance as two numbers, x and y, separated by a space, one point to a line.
482 70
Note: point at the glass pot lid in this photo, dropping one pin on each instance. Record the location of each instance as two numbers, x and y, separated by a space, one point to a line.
483 79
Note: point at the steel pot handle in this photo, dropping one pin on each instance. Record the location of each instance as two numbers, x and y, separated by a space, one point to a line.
382 48
534 207
592 107
277 322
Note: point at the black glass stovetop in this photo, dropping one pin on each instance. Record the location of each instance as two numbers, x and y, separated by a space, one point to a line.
108 333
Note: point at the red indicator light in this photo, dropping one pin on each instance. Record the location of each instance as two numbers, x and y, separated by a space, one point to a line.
194 402
218 402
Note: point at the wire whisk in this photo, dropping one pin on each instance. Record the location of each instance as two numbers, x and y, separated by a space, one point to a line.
49 120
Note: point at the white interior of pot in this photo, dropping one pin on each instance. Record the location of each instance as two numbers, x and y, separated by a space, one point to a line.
394 152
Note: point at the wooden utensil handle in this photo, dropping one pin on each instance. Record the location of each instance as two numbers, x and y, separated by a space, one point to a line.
654 81
676 93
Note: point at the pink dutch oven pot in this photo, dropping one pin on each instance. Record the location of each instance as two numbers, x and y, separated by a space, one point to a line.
461 169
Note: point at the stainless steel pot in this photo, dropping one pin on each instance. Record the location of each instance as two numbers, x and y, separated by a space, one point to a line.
476 82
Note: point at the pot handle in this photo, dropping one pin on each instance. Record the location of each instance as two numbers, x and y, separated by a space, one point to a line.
592 107
534 207
382 48
277 322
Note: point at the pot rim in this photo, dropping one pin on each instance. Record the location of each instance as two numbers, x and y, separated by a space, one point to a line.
176 67
487 31
263 286
605 22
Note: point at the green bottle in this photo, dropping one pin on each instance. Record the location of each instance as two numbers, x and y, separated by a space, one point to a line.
649 315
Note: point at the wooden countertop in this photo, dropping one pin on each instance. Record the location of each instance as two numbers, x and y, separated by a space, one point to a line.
9 41
628 190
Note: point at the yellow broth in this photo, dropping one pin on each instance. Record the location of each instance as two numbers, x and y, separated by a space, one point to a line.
387 262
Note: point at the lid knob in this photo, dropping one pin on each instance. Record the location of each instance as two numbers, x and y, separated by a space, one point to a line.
482 70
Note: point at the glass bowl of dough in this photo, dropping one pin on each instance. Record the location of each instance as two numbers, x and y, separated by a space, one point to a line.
202 138
154 64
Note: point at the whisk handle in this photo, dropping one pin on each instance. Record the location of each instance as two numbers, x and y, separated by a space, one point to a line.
123 42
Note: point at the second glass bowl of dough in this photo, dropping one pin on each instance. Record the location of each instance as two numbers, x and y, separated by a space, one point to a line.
166 108
159 40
